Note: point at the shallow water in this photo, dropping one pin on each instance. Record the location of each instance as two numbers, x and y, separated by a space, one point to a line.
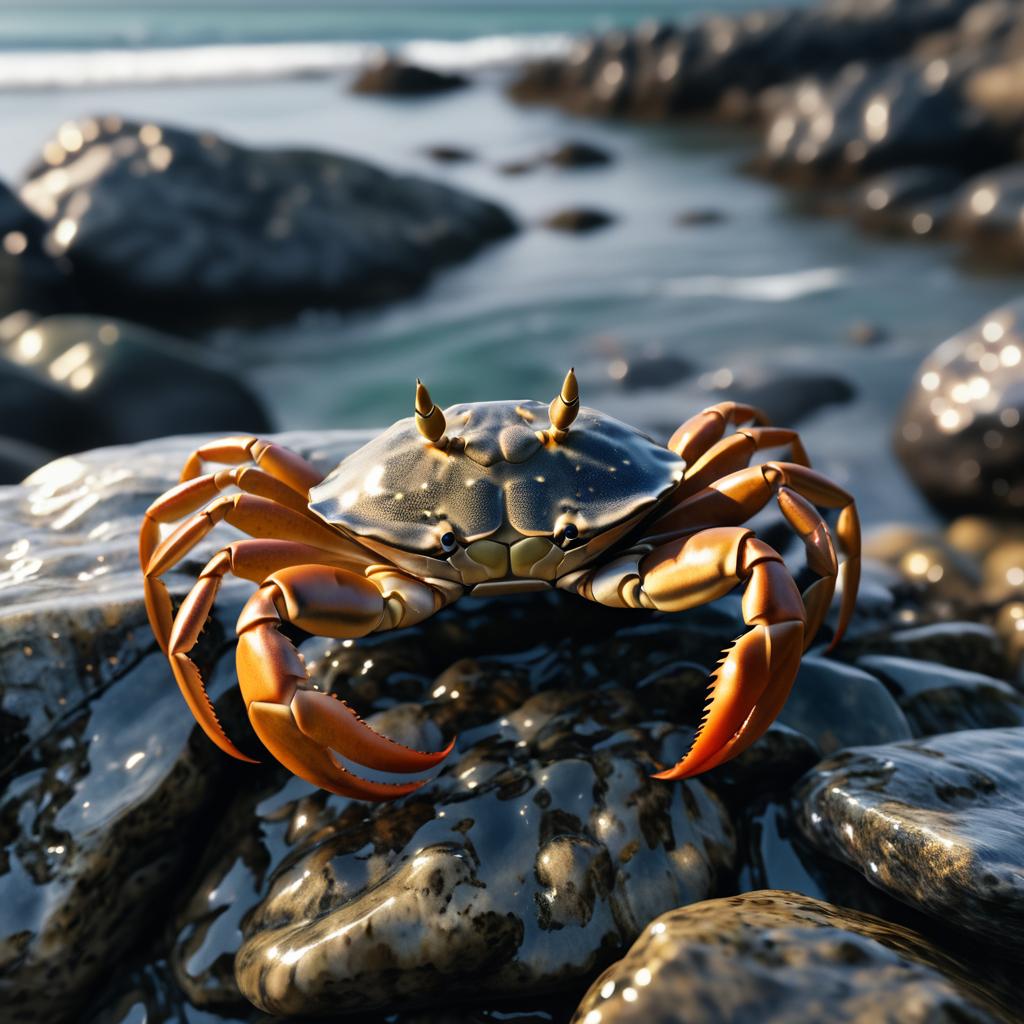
764 287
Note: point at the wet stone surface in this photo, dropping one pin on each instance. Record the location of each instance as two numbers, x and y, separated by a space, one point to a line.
533 859
937 823
774 956
269 233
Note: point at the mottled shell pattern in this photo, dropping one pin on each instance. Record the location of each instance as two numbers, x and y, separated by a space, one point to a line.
497 468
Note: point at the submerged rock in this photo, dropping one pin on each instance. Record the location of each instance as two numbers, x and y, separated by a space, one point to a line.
393 77
768 957
533 858
937 823
578 154
784 395
578 219
938 699
960 435
164 225
121 383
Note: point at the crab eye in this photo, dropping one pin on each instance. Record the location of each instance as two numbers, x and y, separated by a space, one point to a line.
448 541
568 533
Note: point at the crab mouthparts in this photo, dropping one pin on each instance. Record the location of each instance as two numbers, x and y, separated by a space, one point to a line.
528 564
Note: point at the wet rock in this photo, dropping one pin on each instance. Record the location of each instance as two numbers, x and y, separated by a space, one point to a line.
578 154
774 956
391 77
269 232
29 277
907 200
837 706
652 369
959 435
937 823
579 220
699 218
865 333
786 396
531 860
868 119
987 215
129 382
723 63
449 154
779 857
972 646
938 699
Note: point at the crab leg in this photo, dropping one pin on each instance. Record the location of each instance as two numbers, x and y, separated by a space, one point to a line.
737 497
751 684
300 726
734 452
707 427
245 559
278 461
255 515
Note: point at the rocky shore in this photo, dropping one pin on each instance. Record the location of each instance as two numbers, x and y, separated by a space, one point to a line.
906 116
141 869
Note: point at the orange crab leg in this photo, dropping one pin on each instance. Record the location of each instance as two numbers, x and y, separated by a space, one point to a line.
258 516
734 452
278 461
737 497
752 682
708 426
300 726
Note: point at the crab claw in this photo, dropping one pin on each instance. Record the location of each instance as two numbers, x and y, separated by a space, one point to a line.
746 692
309 757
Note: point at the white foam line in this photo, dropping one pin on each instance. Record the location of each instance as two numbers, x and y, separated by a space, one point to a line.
764 288
33 69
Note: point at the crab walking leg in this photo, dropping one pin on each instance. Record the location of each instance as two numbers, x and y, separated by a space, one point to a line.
255 515
734 452
246 559
709 426
751 684
737 497
278 461
301 726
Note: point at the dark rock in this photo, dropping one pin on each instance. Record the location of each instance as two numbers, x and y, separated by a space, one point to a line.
513 168
869 119
907 200
972 646
772 956
29 277
652 369
865 333
578 219
449 154
837 706
163 225
938 699
392 77
698 218
534 857
937 823
722 63
131 382
959 435
578 154
786 396
987 215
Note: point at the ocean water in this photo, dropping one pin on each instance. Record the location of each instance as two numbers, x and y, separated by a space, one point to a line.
764 289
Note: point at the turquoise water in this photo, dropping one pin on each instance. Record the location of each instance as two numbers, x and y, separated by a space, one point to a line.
764 288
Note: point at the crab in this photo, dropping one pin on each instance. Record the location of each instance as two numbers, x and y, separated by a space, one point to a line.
494 498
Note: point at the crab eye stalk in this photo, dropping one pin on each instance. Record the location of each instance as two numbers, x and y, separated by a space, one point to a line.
564 409
448 542
429 419
566 534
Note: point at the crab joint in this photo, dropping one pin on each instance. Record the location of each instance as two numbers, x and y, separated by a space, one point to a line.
563 409
429 419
